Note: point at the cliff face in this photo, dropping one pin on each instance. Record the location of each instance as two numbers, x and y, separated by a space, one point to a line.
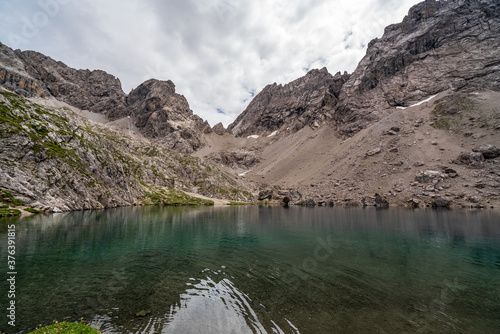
440 45
158 111
309 100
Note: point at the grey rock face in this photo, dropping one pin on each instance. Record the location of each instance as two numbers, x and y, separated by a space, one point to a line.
305 101
439 45
163 114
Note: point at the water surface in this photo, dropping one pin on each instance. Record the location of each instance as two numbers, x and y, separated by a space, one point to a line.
259 270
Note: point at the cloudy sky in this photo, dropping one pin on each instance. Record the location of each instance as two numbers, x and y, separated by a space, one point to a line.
219 53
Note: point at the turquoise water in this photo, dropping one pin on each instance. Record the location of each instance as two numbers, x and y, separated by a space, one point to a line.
258 270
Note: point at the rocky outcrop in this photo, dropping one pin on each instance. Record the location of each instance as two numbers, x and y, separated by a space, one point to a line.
307 101
265 194
219 129
156 109
163 114
235 159
439 45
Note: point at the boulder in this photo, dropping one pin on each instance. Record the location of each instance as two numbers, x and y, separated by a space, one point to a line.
450 172
368 201
294 195
414 203
441 203
428 175
381 202
488 151
470 158
373 151
310 202
377 201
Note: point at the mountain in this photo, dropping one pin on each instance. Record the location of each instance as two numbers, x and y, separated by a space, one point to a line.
309 100
156 109
414 123
440 45
417 124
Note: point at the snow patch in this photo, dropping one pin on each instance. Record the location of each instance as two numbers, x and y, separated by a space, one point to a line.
245 173
272 134
424 101
253 136
402 108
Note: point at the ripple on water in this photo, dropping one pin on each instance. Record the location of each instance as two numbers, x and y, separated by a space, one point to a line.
208 305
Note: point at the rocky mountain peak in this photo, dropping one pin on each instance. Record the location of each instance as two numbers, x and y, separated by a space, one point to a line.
163 114
154 106
308 100
439 45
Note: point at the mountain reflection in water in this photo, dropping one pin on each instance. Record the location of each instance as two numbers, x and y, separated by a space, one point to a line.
259 270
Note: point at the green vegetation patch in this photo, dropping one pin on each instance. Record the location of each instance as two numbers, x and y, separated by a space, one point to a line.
34 211
449 113
161 196
9 213
7 198
235 203
67 328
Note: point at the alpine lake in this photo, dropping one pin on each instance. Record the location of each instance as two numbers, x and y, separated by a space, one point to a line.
251 269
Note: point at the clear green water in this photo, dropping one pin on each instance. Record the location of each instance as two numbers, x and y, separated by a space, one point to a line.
257 270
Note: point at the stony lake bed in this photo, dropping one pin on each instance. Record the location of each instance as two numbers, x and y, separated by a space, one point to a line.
259 270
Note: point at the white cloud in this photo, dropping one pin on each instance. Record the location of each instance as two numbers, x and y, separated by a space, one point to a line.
217 52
